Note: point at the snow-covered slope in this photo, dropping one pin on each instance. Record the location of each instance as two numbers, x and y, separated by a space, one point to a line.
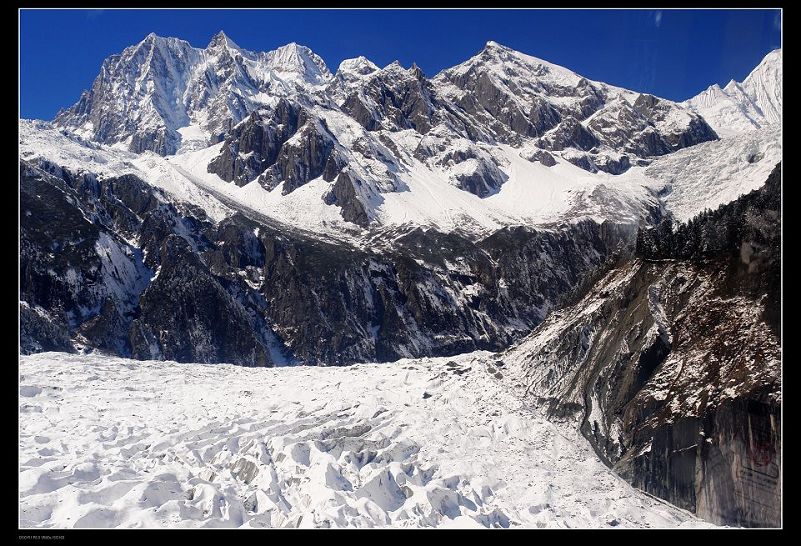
764 85
688 181
501 139
533 195
107 442
715 173
740 107
41 141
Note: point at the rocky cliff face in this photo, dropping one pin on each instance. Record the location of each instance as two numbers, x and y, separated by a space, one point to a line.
671 364
254 144
144 95
518 96
134 275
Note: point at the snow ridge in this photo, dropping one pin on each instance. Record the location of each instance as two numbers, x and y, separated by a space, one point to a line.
741 107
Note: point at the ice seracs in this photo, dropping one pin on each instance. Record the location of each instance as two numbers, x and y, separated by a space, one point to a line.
418 443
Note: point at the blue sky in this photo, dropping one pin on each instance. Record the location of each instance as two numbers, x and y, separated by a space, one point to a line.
669 53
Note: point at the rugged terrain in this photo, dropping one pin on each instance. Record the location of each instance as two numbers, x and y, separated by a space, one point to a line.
290 214
671 363
124 270
595 251
417 443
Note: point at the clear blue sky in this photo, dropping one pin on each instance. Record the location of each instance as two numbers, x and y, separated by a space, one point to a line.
669 53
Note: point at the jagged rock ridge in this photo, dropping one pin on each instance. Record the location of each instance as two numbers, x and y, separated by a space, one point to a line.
138 276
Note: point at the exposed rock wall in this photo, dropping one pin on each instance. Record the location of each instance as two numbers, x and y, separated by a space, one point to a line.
150 280
671 365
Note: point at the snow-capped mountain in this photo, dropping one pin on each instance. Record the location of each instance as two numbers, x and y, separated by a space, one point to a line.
249 170
161 85
364 136
144 96
220 205
754 103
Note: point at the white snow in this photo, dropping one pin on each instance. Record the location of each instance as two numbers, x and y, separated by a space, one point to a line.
533 194
522 77
741 107
711 174
400 190
193 137
40 140
698 177
124 273
109 442
358 67
303 208
294 61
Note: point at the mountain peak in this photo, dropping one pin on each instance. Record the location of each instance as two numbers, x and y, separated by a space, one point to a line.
743 106
731 87
416 71
294 58
493 47
221 39
152 38
359 65
772 59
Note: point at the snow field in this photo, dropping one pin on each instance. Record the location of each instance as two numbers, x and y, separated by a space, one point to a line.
110 442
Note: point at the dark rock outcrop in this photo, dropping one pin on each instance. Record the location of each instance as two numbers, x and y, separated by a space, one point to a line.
343 194
185 314
254 144
569 133
671 364
542 156
338 304
40 332
306 156
543 116
401 99
612 165
583 161
80 279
